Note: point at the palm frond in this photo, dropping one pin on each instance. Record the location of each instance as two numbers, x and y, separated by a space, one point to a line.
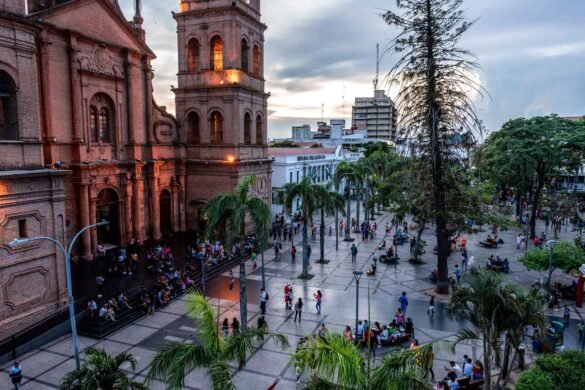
199 309
220 375
174 360
241 346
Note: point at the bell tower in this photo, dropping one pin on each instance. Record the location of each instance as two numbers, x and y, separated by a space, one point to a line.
221 103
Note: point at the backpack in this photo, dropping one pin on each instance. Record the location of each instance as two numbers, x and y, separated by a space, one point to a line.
267 296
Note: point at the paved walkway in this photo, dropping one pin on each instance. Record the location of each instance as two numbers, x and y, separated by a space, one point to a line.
44 367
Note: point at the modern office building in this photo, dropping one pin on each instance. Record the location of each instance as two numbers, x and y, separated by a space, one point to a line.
375 115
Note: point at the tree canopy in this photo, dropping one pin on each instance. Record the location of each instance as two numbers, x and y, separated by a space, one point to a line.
560 371
566 256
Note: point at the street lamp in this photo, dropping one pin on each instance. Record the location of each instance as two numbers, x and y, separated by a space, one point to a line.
551 244
67 254
357 275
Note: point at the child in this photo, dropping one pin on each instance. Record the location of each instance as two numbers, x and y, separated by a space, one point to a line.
581 329
567 314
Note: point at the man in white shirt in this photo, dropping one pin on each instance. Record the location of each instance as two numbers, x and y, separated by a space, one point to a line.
453 367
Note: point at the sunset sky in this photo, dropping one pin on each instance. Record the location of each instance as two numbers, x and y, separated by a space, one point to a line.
531 52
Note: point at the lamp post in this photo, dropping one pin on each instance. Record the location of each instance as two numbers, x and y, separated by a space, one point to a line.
67 254
551 245
357 275
263 275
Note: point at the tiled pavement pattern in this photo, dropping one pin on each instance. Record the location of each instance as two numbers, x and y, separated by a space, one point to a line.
44 368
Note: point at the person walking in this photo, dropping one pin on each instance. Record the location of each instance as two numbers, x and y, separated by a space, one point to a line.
298 309
431 309
293 253
403 302
225 327
276 251
232 279
287 302
254 255
354 252
263 299
457 273
318 297
235 326
16 374
99 281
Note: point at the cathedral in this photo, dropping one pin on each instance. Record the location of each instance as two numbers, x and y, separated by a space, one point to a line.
82 139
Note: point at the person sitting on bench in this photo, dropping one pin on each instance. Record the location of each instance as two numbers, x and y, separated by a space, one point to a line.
372 271
382 245
383 336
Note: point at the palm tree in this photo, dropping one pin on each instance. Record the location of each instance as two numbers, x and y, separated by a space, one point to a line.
228 212
329 203
336 363
310 195
174 360
101 371
349 173
484 301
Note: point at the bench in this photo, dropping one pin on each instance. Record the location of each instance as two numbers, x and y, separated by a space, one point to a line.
488 244
468 384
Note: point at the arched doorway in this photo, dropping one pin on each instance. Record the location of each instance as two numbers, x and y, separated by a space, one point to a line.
108 208
166 212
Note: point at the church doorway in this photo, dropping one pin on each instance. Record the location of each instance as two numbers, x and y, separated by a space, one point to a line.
166 213
107 208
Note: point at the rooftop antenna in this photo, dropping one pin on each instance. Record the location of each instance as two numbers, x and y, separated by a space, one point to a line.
377 79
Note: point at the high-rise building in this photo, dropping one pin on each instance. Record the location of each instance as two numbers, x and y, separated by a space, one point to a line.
375 115
301 132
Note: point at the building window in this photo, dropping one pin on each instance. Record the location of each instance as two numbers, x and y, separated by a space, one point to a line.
216 127
259 130
193 128
193 56
247 129
101 119
216 53
245 56
290 177
22 233
8 111
257 61
298 176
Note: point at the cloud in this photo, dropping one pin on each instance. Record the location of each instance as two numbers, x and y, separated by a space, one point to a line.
531 55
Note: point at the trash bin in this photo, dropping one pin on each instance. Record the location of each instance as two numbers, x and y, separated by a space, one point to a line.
521 351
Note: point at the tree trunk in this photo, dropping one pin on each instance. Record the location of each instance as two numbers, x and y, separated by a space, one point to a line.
348 219
322 236
487 360
417 247
507 350
535 201
305 245
243 296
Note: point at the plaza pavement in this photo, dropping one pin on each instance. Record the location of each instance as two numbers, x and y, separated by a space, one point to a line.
43 368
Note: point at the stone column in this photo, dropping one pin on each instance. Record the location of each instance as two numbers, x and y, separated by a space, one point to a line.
175 207
93 217
128 220
75 93
138 223
130 98
84 221
182 200
154 208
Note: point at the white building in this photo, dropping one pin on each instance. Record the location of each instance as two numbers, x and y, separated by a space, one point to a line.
375 115
301 132
292 164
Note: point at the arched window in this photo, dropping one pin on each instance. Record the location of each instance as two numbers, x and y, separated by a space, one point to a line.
247 129
8 108
93 123
257 61
104 126
259 130
101 119
216 126
216 53
245 56
193 49
193 126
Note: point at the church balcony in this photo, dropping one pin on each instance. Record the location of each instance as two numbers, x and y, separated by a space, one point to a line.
220 78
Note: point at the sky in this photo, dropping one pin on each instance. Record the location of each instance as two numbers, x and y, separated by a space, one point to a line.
321 54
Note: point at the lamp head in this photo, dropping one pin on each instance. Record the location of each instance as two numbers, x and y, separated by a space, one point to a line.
357 275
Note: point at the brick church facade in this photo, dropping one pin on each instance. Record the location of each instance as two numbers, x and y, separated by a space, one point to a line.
82 139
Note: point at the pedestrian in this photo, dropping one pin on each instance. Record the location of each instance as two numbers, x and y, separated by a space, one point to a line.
354 252
276 251
254 255
225 327
262 325
293 253
323 332
457 273
403 302
431 310
330 231
263 299
16 374
567 315
309 250
318 297
287 302
232 279
581 329
298 309
99 281
464 260
235 326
